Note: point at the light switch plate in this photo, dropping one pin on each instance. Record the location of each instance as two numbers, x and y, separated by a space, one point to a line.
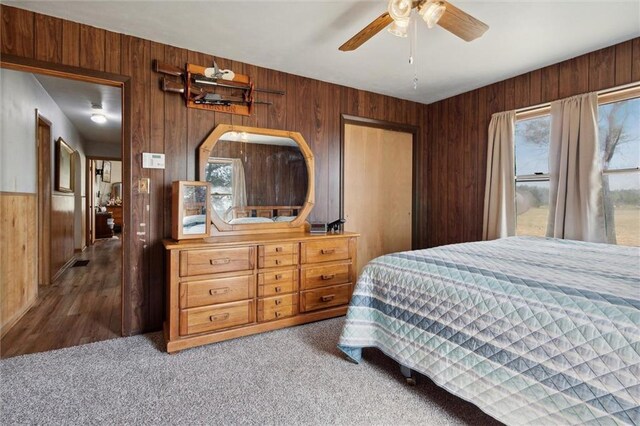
143 185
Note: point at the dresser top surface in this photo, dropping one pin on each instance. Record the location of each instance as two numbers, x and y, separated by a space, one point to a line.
252 239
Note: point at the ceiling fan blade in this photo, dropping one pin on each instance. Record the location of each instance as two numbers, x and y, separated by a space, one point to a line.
367 32
461 23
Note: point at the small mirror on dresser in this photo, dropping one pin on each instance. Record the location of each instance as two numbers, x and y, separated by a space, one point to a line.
191 212
260 179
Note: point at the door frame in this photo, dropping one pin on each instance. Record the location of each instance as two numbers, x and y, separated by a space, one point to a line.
43 194
396 127
18 63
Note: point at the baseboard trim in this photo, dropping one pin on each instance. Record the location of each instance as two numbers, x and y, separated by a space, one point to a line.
17 317
64 268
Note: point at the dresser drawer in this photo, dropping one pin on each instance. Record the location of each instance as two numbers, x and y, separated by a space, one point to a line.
278 276
325 275
219 290
277 249
325 250
217 317
271 303
276 289
325 297
278 261
203 262
277 313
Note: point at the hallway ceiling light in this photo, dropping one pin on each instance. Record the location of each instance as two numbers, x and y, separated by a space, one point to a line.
98 118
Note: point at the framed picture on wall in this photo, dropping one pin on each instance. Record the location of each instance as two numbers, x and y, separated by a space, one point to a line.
106 171
64 166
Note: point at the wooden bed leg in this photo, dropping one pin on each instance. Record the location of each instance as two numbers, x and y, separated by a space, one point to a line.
408 375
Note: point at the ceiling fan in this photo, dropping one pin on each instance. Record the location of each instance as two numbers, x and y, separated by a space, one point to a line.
433 12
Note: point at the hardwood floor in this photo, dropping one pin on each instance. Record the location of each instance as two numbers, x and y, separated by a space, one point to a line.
81 306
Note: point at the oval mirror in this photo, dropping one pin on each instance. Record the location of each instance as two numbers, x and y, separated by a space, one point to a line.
260 178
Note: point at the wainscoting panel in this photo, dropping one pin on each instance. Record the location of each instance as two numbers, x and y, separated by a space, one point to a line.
62 233
18 254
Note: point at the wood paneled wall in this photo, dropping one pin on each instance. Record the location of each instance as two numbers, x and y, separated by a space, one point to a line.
62 233
455 154
161 123
18 249
275 175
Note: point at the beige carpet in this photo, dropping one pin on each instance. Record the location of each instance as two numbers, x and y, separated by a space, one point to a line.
292 376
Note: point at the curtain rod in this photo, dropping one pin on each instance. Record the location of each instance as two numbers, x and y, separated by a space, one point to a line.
546 105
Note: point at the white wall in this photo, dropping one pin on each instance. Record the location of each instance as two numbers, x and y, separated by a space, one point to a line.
20 95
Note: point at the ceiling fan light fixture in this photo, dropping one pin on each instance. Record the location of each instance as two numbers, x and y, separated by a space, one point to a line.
431 12
399 28
400 10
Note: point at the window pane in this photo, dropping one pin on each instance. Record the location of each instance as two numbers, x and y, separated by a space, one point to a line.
622 208
532 208
219 174
619 134
532 145
221 203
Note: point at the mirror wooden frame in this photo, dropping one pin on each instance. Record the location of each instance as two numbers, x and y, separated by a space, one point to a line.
298 224
63 149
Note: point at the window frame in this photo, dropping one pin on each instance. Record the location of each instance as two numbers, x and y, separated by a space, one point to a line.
616 94
219 160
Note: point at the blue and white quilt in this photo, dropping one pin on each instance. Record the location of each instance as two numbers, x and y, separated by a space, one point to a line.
531 330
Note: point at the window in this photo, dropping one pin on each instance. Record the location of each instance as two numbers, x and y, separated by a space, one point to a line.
219 172
619 139
532 175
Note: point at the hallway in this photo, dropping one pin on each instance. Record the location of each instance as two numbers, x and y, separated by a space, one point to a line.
82 306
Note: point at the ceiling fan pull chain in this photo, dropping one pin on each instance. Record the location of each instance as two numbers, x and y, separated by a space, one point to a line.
414 48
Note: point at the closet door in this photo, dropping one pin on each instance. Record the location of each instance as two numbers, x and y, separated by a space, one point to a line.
378 190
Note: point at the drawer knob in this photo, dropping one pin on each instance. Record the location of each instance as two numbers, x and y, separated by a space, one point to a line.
328 277
278 314
328 298
216 291
278 261
278 276
278 249
277 301
328 251
278 289
224 261
222 317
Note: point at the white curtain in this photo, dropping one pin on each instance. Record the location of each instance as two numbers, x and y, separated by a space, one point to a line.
575 191
239 190
499 200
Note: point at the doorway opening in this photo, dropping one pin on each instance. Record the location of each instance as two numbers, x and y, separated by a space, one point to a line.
378 186
78 281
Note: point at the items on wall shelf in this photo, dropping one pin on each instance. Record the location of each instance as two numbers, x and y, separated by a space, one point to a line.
212 89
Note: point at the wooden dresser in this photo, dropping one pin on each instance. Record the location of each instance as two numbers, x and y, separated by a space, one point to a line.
231 286
116 212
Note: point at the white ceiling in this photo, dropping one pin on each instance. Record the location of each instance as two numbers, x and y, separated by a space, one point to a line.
302 37
75 99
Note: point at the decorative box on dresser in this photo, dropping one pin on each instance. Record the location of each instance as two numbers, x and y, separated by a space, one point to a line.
230 286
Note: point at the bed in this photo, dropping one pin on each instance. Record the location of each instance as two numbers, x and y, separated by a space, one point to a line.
531 330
